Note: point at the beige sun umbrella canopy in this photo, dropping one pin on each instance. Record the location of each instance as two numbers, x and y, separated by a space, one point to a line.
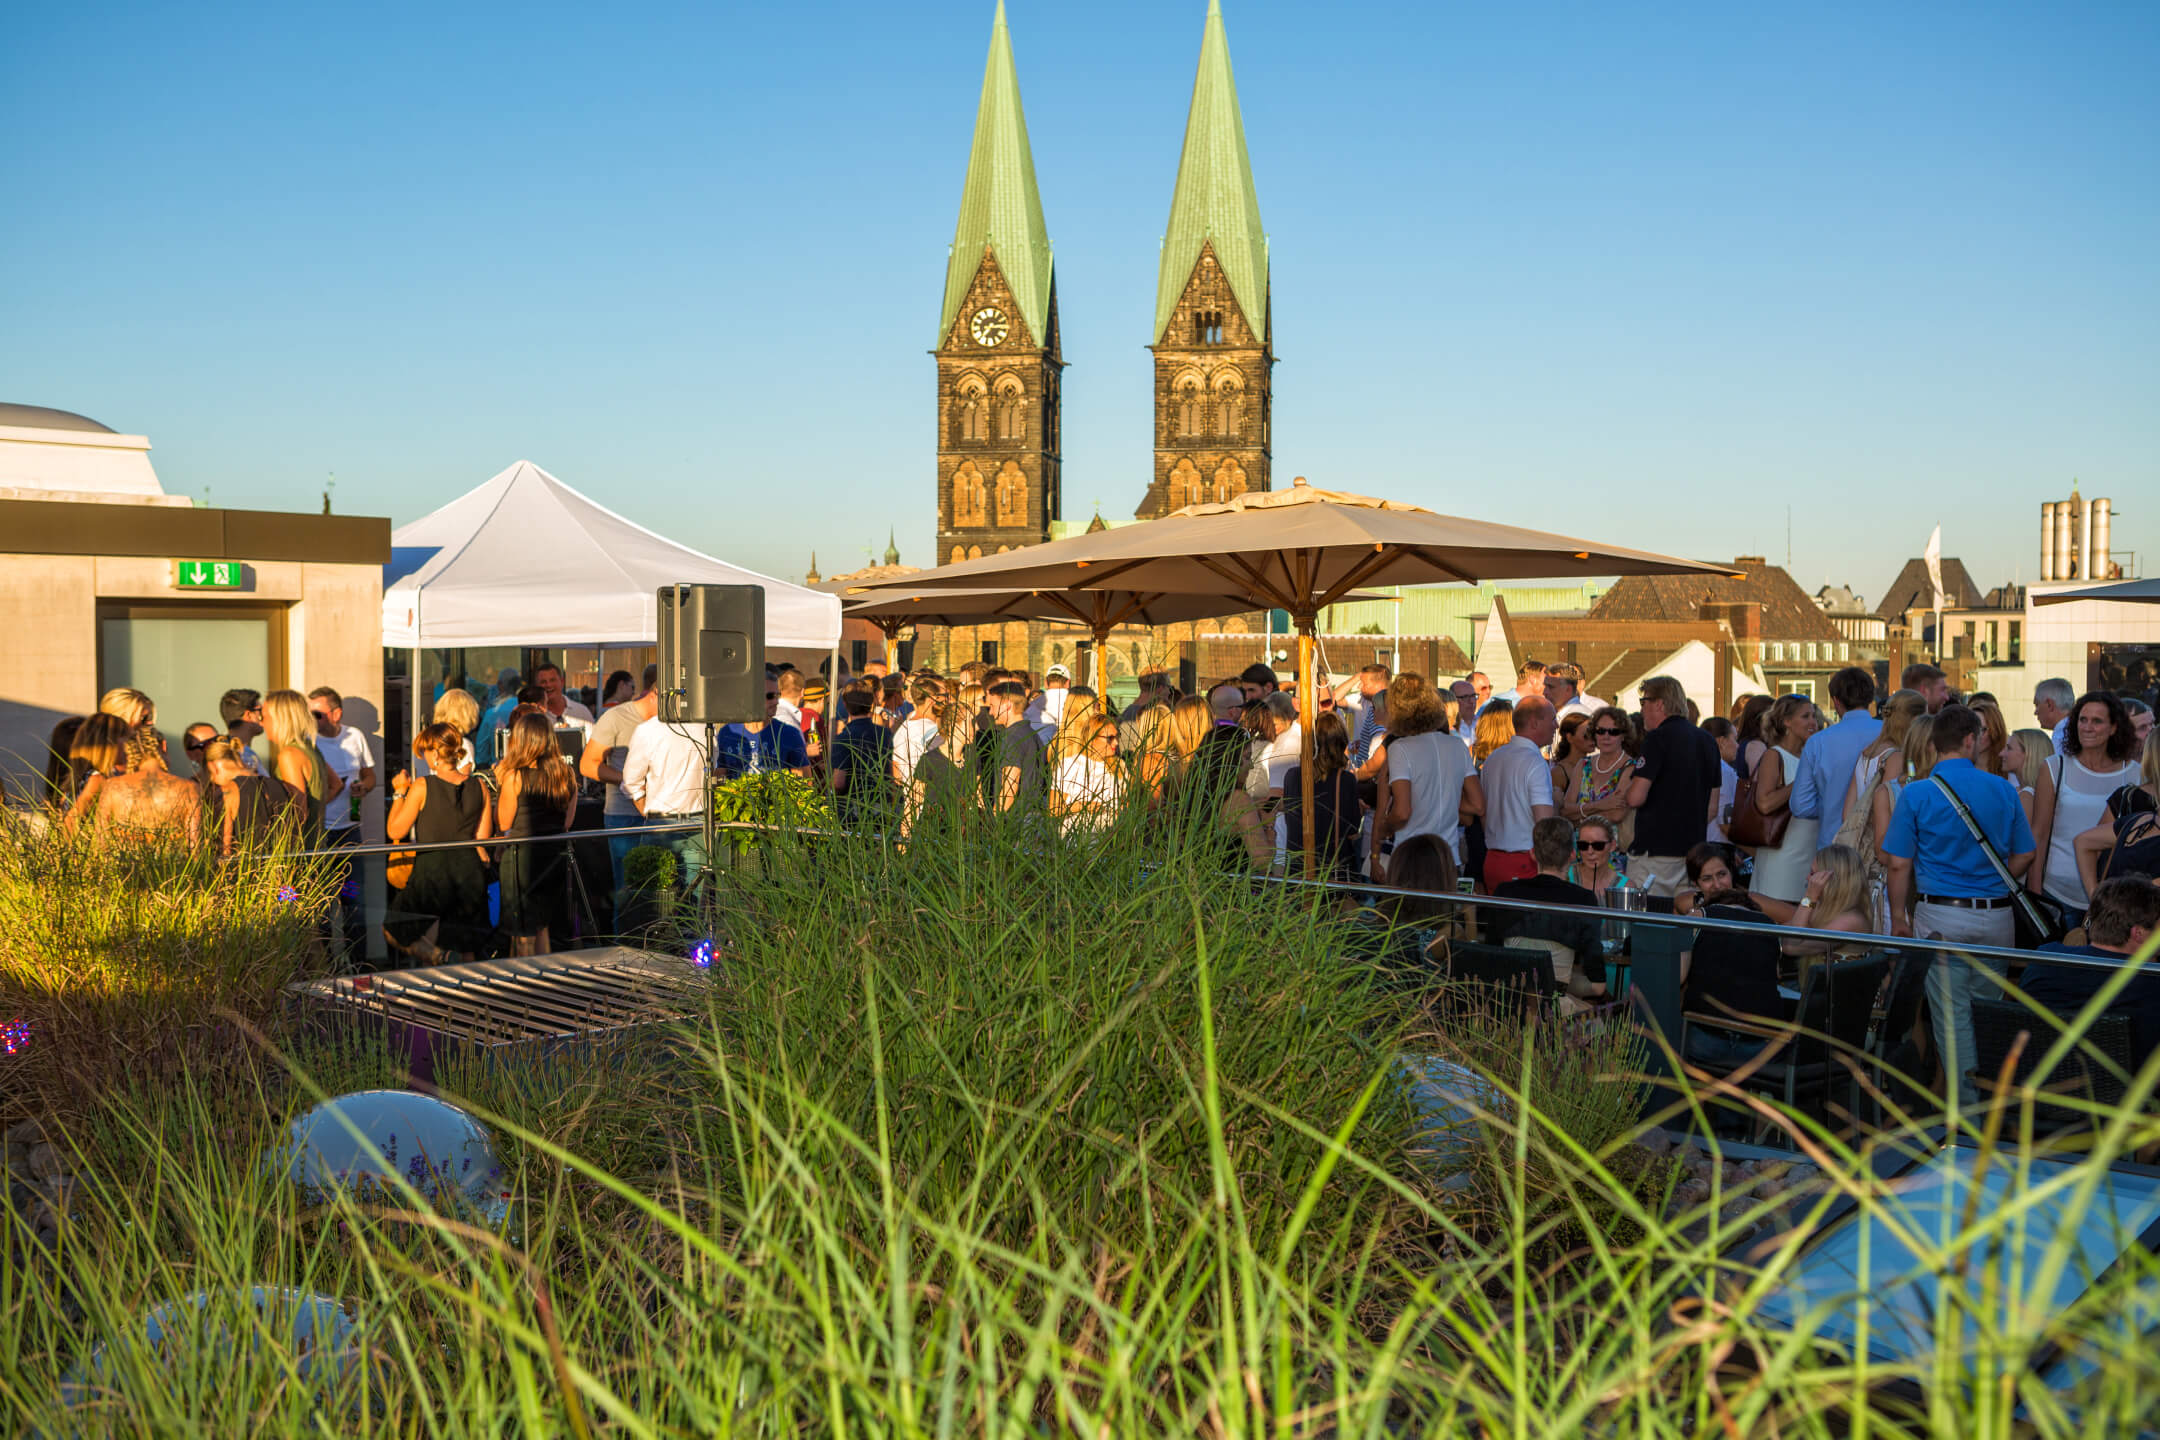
1101 611
1297 550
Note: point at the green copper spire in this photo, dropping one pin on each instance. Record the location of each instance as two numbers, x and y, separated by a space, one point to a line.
999 204
892 548
1215 199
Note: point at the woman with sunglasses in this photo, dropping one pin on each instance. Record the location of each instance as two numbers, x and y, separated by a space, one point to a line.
1598 865
1086 781
1571 746
1601 783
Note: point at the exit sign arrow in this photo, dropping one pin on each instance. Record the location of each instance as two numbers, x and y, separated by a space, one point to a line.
208 574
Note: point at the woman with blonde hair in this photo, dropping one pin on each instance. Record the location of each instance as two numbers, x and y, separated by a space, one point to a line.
442 910
133 708
146 799
289 726
244 809
458 709
1781 871
1838 900
1495 727
536 796
2024 764
96 754
1875 766
1994 733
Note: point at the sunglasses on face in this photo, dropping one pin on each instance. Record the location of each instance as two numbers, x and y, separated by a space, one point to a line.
1608 730
320 714
772 694
1593 844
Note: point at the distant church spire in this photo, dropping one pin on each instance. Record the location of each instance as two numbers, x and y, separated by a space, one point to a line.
813 577
892 548
1000 206
1214 200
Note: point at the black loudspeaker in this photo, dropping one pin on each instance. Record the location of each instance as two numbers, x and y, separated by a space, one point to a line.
712 653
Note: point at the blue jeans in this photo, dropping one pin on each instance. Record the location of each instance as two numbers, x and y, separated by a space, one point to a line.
619 846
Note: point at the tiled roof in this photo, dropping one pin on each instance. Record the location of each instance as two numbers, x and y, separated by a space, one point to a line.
1787 612
1000 205
1911 590
1214 199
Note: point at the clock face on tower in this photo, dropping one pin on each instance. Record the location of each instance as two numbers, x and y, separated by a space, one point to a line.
988 326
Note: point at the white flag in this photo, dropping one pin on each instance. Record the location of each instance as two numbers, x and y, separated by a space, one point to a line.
1934 565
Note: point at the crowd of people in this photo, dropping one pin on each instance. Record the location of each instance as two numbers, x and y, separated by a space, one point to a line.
1917 813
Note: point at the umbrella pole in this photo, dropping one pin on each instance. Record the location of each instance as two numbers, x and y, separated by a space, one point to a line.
892 644
1095 665
1308 705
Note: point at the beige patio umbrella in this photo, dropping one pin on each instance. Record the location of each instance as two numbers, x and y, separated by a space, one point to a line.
1101 611
1299 550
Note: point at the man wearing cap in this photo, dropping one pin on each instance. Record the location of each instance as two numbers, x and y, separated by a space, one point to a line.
1057 681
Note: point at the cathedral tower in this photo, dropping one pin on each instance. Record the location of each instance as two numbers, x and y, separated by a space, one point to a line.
997 347
1213 340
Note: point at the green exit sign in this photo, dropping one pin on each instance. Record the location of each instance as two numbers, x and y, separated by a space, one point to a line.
207 574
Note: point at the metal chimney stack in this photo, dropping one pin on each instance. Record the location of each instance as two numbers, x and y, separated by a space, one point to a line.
2047 539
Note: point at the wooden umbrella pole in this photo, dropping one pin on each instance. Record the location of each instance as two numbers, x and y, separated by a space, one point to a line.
892 644
1095 665
1308 711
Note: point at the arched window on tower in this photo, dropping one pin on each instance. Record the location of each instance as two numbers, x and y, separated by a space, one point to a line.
971 417
1188 405
1184 487
1229 480
970 502
1229 406
959 553
1011 410
1011 495
1207 327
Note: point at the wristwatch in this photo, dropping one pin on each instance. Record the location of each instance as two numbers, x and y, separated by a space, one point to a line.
1806 903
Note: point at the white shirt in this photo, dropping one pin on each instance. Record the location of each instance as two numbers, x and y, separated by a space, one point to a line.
1435 764
346 753
1082 779
914 738
1516 777
572 710
1580 705
1282 753
665 768
421 769
789 712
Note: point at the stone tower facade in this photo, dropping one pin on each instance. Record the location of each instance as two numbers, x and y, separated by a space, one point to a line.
1213 339
998 364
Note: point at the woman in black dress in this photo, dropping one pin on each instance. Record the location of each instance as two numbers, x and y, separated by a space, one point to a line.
536 794
1337 813
443 910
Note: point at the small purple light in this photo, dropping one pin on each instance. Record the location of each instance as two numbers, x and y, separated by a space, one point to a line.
14 1036
701 954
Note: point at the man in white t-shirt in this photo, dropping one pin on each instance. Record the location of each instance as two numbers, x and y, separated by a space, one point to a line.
560 707
1517 780
345 751
602 759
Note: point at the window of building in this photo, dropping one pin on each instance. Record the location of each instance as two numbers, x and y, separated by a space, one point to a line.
1188 407
1805 689
858 655
1207 327
989 652
2015 638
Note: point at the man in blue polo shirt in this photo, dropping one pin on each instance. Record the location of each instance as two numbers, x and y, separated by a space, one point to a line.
1826 765
1957 895
769 744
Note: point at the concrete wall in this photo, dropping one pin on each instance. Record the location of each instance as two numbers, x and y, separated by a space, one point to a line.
49 636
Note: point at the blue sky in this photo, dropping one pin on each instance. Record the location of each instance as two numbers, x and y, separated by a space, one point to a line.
1648 273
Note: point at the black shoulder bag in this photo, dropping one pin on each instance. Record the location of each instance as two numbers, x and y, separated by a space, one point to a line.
2040 919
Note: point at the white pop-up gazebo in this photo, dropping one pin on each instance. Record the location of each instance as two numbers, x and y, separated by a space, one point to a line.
526 560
